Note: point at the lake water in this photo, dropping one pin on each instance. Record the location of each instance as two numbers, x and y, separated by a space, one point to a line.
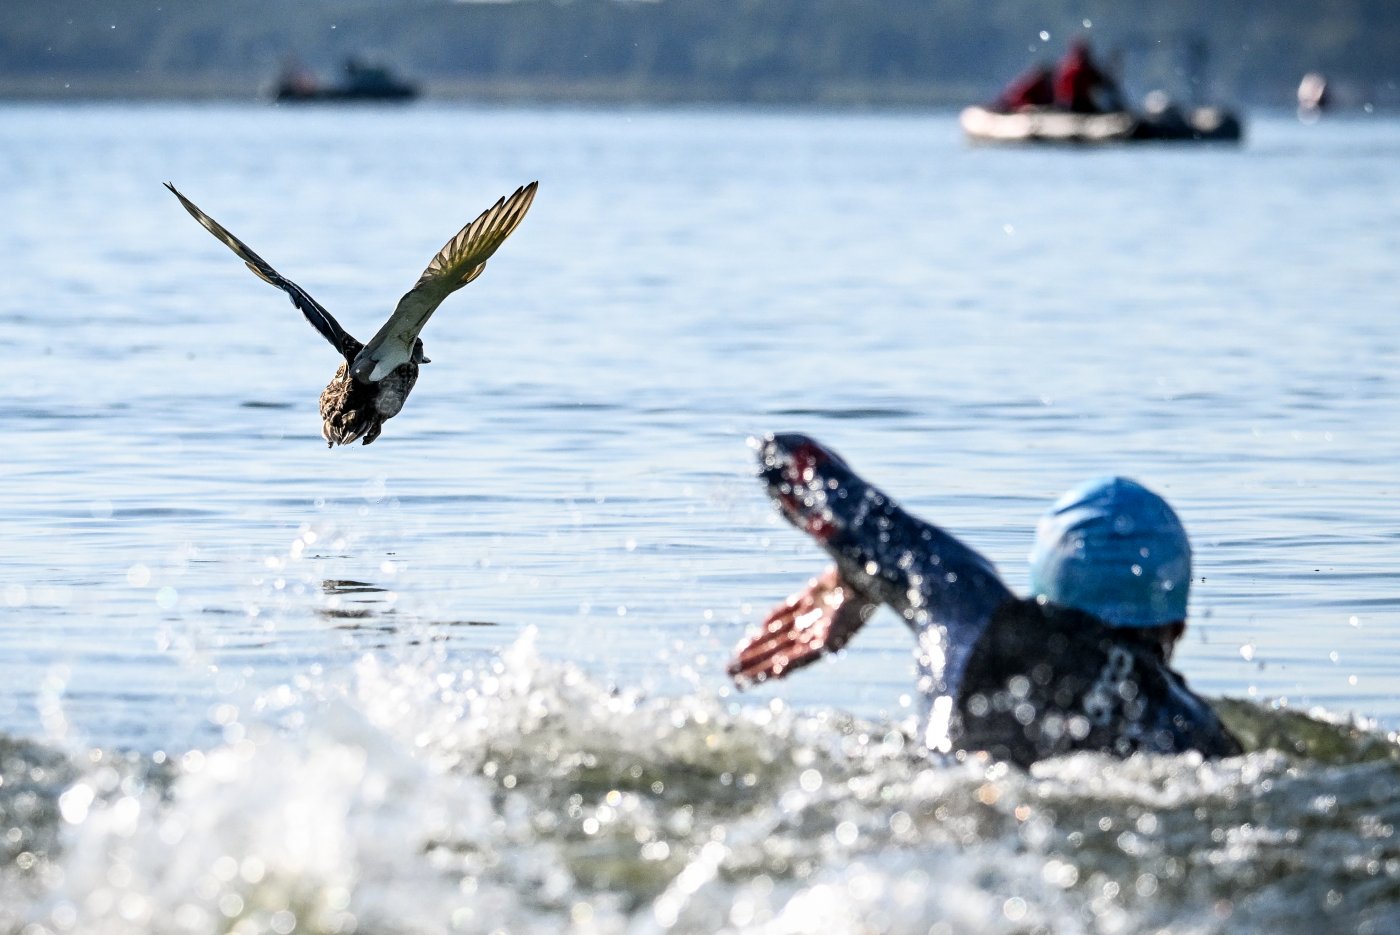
471 678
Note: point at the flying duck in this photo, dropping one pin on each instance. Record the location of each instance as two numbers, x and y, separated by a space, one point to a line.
372 383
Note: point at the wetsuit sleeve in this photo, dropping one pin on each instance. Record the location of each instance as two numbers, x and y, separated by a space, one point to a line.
957 585
958 592
923 572
945 591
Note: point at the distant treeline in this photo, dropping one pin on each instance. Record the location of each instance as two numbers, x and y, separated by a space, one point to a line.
833 51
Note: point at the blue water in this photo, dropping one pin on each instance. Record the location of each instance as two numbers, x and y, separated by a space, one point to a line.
189 572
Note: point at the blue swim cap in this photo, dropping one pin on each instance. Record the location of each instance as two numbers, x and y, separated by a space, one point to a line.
1114 549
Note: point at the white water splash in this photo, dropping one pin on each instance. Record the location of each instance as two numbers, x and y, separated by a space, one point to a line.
514 794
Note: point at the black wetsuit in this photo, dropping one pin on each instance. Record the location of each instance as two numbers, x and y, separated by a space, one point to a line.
1045 680
1009 676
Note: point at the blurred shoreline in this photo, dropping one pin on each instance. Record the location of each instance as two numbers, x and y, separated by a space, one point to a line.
513 91
825 52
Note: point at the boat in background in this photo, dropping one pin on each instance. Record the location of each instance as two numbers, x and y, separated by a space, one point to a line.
364 81
1166 122
1080 101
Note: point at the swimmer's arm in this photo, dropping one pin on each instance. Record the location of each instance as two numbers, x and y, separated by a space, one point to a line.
924 573
956 587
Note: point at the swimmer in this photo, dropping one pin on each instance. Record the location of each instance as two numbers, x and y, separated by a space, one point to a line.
1083 664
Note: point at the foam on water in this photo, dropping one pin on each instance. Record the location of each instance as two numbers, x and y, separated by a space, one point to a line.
515 794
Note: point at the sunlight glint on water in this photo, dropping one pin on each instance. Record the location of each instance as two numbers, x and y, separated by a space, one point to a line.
472 676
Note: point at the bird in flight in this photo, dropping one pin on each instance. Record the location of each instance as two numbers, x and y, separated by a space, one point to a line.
374 380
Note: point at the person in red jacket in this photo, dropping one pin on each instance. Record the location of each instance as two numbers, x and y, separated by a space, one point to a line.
1034 88
1080 85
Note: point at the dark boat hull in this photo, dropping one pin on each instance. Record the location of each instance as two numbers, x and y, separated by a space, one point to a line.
345 95
363 82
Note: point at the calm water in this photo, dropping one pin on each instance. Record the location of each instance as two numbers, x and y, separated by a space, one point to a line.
471 677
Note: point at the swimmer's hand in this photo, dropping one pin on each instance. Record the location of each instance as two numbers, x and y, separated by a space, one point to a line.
809 624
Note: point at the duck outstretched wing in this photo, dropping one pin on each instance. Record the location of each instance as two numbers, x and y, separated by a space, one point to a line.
315 313
457 263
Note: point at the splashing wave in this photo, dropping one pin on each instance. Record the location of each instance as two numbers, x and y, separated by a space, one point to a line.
515 794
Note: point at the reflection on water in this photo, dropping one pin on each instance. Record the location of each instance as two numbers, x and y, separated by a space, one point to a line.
363 602
224 640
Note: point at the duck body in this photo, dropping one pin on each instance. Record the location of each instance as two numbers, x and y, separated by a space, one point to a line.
364 394
352 410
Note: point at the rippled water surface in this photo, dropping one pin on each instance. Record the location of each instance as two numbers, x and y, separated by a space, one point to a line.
471 677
